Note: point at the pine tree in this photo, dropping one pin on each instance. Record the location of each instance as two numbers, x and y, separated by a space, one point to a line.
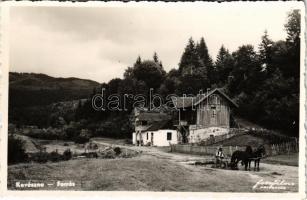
265 52
156 60
224 64
203 53
155 57
293 28
189 59
138 61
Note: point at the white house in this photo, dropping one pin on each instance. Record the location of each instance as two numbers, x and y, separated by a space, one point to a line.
157 138
154 129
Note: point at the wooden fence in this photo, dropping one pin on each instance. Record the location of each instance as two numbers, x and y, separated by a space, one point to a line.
204 150
283 148
271 150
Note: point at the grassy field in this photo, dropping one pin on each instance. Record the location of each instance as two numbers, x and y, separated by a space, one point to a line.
155 169
143 173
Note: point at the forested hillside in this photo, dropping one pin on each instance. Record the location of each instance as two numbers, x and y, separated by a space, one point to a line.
31 95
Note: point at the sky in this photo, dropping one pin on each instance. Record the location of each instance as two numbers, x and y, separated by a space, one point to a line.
99 43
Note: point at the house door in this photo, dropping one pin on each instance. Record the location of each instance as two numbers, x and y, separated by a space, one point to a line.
213 117
151 138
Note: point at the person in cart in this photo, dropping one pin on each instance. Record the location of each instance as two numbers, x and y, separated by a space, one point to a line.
219 156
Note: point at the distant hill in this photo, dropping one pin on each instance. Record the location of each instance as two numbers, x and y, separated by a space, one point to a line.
30 89
37 99
32 81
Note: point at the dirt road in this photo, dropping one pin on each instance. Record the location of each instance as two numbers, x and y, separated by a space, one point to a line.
275 173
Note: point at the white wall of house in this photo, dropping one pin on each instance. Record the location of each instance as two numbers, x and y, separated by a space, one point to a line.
198 135
136 137
165 137
133 138
157 138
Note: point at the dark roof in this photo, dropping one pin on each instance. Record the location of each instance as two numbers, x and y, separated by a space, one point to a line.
166 124
205 96
147 116
185 102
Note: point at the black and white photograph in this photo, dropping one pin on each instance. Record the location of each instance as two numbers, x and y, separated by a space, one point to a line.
156 97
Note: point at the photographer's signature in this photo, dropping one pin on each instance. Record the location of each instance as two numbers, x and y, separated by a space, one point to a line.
273 185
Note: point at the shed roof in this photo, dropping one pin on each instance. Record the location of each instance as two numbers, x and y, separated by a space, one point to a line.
185 102
148 116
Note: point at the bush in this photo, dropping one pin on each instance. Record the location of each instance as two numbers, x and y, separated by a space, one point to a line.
67 155
117 150
89 155
109 154
40 157
54 156
16 150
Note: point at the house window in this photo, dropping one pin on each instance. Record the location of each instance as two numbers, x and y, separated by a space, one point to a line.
147 136
169 135
215 100
213 112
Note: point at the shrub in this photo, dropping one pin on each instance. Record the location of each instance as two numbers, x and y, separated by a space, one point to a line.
90 154
109 154
83 137
117 150
67 155
16 150
40 157
55 156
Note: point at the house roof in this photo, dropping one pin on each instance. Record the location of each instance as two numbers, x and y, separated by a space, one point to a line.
148 116
160 125
205 96
185 102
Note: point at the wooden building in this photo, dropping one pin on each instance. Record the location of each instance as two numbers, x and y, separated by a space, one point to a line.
206 115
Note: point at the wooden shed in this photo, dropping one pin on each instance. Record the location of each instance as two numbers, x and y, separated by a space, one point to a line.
206 113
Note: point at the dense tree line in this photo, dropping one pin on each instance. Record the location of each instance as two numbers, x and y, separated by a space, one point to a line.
264 81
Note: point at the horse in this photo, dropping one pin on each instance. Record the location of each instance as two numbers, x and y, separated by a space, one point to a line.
243 156
257 155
